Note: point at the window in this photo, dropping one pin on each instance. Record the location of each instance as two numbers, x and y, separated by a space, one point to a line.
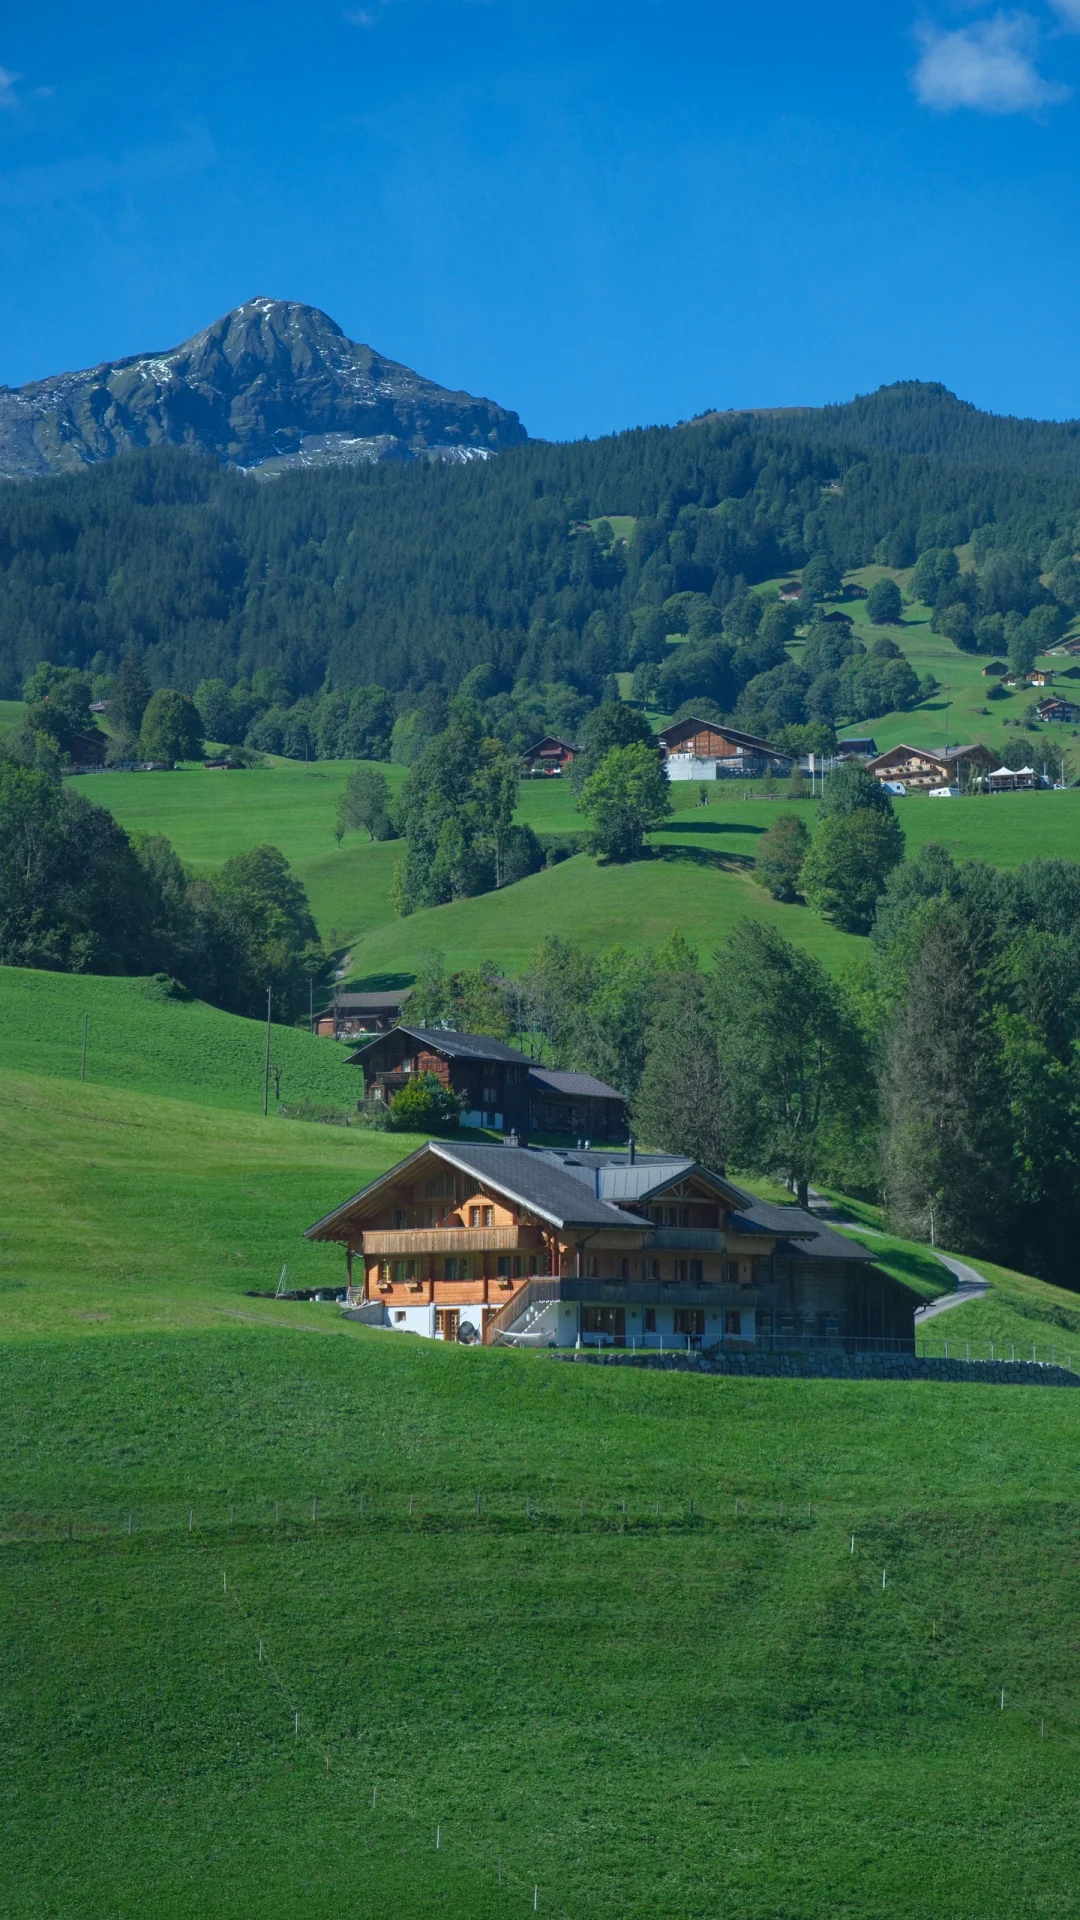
399 1272
443 1183
592 1267
450 1269
399 1316
733 1322
622 1268
605 1320
650 1319
480 1216
690 1320
502 1266
446 1322
682 1270
731 1273
695 1273
399 1218
654 1270
464 1269
519 1266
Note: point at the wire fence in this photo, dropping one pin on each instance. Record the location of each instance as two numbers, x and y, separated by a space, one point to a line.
938 1346
213 1528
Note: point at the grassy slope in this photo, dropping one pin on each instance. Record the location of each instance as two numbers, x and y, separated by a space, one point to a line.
140 1042
702 883
642 1714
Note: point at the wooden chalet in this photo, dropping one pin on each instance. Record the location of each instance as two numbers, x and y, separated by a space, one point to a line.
706 750
995 670
498 1086
791 590
88 748
1057 709
490 1078
556 1247
921 768
860 746
549 756
351 1014
1041 677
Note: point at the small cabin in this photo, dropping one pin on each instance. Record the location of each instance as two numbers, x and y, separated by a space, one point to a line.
351 1014
548 757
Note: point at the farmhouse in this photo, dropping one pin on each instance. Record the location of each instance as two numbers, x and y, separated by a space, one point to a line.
920 768
549 756
498 1086
556 1247
351 1014
88 748
791 590
1057 709
1041 677
858 747
705 750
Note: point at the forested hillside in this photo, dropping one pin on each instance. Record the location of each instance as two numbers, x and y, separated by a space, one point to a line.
403 576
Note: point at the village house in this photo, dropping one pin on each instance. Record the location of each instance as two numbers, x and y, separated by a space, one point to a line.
1041 677
1057 709
858 747
996 670
920 768
351 1014
88 748
558 1248
497 1085
549 756
706 750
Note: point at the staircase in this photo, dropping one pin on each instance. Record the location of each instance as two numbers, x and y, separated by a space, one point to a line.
527 1318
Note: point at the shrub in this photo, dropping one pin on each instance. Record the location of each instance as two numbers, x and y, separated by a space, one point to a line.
424 1106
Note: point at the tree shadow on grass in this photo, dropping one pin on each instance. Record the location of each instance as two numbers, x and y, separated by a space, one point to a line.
713 826
705 857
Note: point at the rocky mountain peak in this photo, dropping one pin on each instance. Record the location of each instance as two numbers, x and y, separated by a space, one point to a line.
272 384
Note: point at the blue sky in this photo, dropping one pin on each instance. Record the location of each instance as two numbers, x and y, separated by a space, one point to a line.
600 215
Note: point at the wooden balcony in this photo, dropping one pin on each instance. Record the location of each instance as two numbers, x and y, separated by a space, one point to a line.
419 1240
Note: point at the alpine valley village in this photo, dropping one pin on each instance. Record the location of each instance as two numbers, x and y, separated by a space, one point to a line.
540 966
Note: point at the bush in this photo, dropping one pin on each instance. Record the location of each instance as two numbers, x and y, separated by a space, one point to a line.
424 1106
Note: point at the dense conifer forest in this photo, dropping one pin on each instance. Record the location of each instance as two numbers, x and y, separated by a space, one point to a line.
404 576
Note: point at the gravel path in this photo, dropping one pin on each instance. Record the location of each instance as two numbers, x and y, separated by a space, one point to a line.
969 1284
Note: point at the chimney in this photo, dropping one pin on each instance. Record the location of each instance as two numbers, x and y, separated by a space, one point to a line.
514 1139
631 1148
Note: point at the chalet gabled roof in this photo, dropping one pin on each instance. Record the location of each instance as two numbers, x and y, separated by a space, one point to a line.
550 740
526 1178
368 1002
669 737
455 1046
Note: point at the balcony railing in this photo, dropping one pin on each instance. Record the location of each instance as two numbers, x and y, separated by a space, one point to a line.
414 1240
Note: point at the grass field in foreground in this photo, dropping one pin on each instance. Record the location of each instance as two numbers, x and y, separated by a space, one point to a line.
642 1712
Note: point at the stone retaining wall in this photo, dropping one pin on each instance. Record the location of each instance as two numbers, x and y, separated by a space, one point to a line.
840 1366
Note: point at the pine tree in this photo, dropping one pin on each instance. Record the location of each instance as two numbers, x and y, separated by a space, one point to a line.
131 694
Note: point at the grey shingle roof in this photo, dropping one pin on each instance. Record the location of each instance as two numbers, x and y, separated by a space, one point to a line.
456 1046
579 1084
540 1182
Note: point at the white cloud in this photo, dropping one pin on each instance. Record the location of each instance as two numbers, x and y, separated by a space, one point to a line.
1067 10
7 86
989 66
360 18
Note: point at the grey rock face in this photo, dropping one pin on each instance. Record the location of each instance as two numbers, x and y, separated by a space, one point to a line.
251 388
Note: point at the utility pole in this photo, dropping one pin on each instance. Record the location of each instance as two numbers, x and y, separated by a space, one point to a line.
266 1068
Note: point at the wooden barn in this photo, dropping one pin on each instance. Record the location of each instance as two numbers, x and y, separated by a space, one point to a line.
490 1078
351 1014
556 1247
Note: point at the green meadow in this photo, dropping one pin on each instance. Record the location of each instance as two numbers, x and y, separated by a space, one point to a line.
606 1690
699 876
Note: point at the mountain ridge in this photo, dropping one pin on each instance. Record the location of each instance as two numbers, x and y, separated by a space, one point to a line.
271 384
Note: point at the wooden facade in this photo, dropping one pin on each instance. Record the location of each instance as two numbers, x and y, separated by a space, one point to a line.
705 749
490 1079
549 756
924 767
351 1015
479 1243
